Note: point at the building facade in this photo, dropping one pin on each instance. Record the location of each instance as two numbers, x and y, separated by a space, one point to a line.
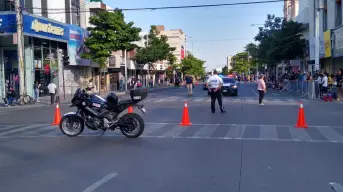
45 42
330 23
291 9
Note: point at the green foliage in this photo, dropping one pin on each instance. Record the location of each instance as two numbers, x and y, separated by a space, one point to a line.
157 49
225 70
240 62
110 33
193 66
280 40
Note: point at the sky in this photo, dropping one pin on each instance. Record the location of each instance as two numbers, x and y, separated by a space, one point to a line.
216 32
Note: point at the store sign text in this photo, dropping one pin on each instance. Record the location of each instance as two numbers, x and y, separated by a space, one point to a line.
47 28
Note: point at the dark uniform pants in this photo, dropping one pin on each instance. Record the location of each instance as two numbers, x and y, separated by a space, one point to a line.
216 95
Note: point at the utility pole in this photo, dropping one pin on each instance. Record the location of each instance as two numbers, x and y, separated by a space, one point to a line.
20 43
125 70
319 5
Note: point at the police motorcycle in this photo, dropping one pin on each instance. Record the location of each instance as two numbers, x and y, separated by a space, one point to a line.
98 113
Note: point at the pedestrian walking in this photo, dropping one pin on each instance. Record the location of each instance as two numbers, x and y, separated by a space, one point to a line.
214 84
261 87
52 91
189 84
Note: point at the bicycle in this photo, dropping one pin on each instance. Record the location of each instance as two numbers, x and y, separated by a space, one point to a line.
27 99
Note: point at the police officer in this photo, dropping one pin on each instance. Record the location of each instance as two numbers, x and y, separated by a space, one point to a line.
214 84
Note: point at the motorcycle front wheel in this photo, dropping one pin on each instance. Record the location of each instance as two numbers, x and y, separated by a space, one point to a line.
136 125
72 125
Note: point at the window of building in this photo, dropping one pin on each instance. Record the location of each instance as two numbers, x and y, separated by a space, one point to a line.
6 6
325 16
338 13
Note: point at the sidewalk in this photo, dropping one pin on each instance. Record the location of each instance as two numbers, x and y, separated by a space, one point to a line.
45 101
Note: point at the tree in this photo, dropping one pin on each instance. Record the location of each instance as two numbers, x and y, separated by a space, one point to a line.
280 40
156 49
225 70
252 50
110 33
193 66
240 62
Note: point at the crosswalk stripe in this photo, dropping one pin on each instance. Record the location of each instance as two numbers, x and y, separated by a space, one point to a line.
151 128
199 99
250 100
330 134
299 134
30 127
236 131
268 132
175 131
205 131
160 100
42 130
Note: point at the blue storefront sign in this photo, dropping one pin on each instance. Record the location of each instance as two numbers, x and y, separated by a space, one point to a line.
35 26
8 23
45 28
76 45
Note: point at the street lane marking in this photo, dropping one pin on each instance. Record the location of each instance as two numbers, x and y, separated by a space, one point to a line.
336 187
330 134
199 99
152 128
299 134
30 127
236 131
175 131
268 132
100 182
160 100
205 131
254 92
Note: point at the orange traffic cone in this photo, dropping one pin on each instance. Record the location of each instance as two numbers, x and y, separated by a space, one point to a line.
185 117
130 109
57 118
301 118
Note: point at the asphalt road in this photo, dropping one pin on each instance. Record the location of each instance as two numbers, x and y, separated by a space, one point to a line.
251 148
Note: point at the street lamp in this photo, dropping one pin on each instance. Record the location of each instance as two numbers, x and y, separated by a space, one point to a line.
192 44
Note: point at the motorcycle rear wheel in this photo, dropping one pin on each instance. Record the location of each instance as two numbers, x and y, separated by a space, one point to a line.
135 119
71 119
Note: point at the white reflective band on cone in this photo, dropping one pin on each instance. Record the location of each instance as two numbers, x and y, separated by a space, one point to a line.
185 104
301 106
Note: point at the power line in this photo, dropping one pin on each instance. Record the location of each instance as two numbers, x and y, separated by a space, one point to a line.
213 40
163 7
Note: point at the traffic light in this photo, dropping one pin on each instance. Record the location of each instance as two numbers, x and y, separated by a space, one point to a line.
66 60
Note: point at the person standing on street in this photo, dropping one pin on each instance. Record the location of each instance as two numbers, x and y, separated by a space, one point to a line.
261 87
214 84
52 91
189 84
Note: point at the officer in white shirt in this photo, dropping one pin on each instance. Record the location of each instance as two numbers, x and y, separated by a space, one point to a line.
214 84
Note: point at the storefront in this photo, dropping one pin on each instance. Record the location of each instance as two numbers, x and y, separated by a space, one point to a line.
45 41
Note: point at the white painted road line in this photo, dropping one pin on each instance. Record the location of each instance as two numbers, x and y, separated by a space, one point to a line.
336 187
100 182
254 92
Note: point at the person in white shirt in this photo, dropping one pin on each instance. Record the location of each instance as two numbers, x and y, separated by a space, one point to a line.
325 83
52 91
214 84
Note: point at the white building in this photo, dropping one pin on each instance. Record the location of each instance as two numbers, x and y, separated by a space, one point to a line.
330 22
228 63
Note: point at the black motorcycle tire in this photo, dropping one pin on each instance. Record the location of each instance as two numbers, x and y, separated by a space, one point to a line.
141 124
81 124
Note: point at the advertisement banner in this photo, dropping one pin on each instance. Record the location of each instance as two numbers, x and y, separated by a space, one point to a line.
338 42
40 27
76 46
327 43
8 24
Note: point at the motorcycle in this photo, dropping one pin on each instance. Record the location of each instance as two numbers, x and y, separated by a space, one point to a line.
98 113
